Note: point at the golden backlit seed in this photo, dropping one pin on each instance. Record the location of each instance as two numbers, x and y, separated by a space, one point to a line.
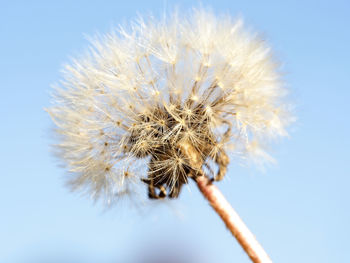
151 97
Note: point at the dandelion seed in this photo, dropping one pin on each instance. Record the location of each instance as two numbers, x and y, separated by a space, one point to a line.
110 91
170 96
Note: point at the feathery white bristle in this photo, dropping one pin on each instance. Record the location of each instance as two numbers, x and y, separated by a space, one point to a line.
201 59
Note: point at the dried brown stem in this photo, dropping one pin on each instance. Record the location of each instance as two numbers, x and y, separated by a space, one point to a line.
217 201
232 220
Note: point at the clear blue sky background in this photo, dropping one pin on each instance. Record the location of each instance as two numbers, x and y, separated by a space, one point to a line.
298 209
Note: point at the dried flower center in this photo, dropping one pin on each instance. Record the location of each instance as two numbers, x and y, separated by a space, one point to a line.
169 136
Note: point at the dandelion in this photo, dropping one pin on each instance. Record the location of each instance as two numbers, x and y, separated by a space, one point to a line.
163 102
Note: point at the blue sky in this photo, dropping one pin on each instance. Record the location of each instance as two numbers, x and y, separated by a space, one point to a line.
298 209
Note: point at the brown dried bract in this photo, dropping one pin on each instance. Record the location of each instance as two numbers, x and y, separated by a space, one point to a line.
179 142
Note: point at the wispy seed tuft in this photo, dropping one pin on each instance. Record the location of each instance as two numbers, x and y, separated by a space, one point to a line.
171 96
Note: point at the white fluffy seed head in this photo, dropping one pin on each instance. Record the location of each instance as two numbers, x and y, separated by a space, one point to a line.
137 94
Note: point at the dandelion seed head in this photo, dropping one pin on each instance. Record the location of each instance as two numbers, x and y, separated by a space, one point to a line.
143 97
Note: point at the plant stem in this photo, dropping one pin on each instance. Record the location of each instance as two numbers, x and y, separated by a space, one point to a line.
217 201
232 220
